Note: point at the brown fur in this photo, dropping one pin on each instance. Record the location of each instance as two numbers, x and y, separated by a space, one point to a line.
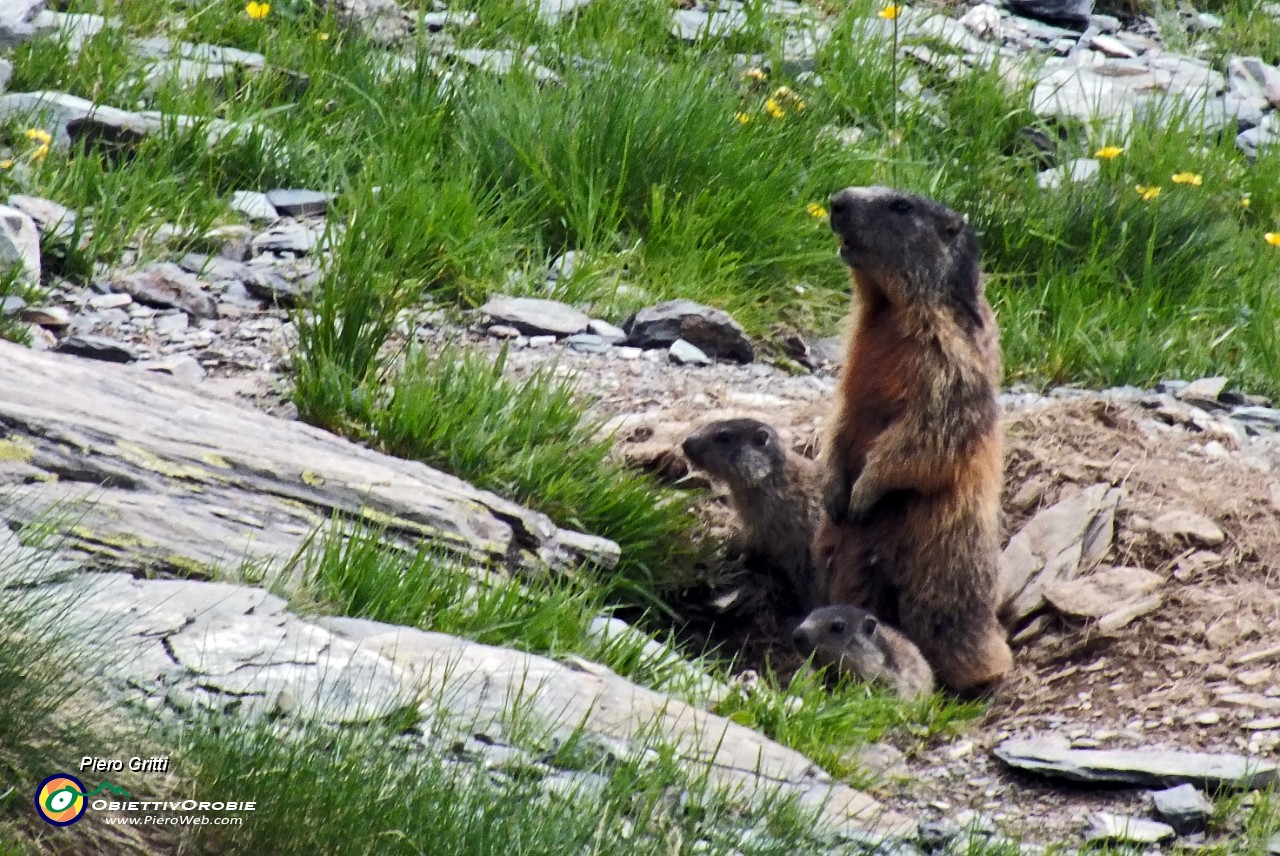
855 642
911 467
775 495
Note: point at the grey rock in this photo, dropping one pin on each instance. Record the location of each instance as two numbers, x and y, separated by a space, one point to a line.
1102 592
97 348
6 74
710 330
67 117
169 323
563 266
694 25
611 334
684 354
1083 94
261 282
46 316
290 236
17 21
552 11
1248 112
52 219
500 62
541 341
1067 13
1185 525
1252 141
1203 392
11 305
1273 843
299 203
110 301
1075 171
534 316
1258 418
72 30
502 331
1250 76
254 205
983 21
587 343
1104 826
1112 46
182 366
1183 75
168 286
19 243
1184 808
1142 767
1057 544
436 22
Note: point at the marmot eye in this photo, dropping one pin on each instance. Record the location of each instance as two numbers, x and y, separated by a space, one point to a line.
837 628
900 206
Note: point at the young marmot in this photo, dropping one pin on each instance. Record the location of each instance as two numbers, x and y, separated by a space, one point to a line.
774 493
855 642
911 467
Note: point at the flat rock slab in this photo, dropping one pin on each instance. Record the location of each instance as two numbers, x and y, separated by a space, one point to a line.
1142 767
1105 826
535 316
299 203
168 286
182 481
469 687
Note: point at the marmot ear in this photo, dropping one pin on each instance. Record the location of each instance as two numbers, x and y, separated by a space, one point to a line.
761 438
869 625
955 224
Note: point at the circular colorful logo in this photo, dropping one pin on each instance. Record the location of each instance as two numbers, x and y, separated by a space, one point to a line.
60 800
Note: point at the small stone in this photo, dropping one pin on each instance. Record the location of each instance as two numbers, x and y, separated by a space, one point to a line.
587 343
168 286
982 20
1184 525
1273 843
611 334
1076 171
170 323
253 205
46 316
564 266
1267 723
110 301
11 305
534 316
291 237
1105 826
182 366
628 353
503 331
17 21
541 341
1204 392
1208 717
1184 808
97 348
52 219
19 242
299 203
1101 592
1112 46
684 354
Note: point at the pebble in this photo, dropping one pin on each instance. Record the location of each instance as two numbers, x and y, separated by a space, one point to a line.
299 203
685 354
587 343
110 301
1105 826
255 206
46 316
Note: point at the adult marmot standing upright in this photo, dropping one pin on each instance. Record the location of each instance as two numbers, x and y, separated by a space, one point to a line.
911 467
774 492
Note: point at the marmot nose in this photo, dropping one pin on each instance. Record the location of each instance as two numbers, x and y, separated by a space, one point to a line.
800 639
691 448
841 203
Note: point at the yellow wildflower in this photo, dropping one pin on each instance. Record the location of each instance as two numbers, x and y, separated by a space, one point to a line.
890 12
1244 201
1109 152
1194 179
742 118
774 109
6 163
257 11
783 92
40 152
39 135
1272 238
1147 193
755 73
324 37
816 211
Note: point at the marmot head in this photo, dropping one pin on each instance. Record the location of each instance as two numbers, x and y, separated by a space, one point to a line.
742 452
909 250
846 637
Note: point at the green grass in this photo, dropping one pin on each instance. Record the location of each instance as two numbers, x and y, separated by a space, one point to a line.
381 783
